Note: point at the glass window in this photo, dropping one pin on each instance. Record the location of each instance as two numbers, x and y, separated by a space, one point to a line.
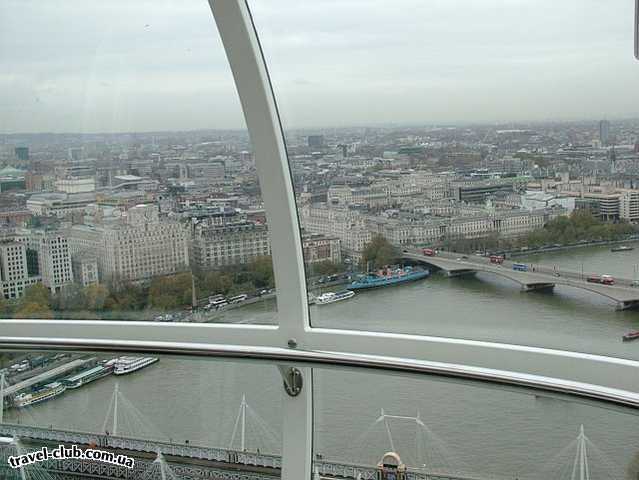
174 417
453 429
124 164
464 169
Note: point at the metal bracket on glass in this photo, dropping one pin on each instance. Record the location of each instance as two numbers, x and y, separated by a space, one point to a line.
292 380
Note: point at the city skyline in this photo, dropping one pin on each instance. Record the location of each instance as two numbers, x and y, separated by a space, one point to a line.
324 128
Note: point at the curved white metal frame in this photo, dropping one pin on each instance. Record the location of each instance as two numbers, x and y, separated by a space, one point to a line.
602 374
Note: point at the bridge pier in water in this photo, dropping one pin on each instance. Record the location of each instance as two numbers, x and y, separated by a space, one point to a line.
461 272
537 287
627 305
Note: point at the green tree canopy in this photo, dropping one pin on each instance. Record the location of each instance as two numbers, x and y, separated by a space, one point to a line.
126 297
70 297
95 296
580 225
38 294
33 310
261 271
215 282
325 268
4 307
378 252
170 292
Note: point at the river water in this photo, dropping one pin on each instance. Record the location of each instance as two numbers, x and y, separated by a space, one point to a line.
482 431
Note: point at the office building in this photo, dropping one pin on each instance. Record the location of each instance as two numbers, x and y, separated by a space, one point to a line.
22 153
142 246
629 205
14 274
208 172
604 132
319 248
85 268
53 258
218 244
316 141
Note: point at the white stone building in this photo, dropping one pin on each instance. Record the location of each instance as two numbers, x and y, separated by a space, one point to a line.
217 244
54 258
14 276
342 223
137 247
629 205
319 248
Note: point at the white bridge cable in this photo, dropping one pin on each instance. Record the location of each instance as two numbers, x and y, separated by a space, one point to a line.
580 459
254 433
124 419
421 448
159 470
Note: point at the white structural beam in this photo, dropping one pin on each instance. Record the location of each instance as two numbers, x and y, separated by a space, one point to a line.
244 54
297 430
242 340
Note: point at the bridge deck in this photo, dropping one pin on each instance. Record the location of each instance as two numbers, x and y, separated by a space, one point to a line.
188 461
621 292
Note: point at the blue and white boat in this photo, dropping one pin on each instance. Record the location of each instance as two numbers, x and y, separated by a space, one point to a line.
389 276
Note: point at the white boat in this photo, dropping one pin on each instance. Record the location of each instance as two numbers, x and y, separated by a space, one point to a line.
124 365
49 391
332 297
87 376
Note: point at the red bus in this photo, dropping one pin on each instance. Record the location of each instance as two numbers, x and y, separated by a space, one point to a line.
496 259
429 252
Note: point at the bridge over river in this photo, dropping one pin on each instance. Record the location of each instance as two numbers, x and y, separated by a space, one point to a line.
542 278
159 460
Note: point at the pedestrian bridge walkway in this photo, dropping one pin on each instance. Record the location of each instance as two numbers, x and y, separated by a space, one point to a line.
543 278
183 460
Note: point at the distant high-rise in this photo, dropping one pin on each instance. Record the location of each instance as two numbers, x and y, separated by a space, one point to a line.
604 132
315 141
75 153
22 153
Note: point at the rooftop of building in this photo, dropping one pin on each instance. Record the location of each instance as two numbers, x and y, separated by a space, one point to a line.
12 172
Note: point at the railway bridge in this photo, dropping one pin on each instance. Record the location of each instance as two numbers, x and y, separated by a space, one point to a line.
162 460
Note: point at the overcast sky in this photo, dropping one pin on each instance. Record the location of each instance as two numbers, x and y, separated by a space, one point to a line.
140 65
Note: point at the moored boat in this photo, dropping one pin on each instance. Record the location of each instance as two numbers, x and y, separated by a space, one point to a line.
332 297
86 376
124 365
47 392
622 248
388 277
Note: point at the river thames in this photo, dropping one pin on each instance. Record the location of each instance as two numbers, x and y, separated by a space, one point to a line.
482 431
